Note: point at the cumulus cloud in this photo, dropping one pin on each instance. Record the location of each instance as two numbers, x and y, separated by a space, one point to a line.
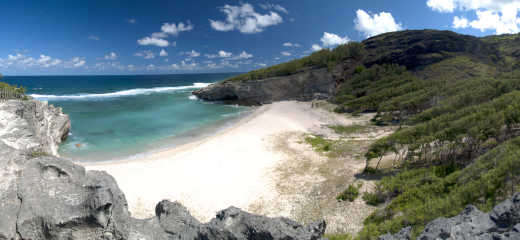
220 54
245 19
183 65
163 53
111 56
158 38
375 24
290 44
331 39
192 53
175 29
153 41
500 16
316 47
146 54
93 37
276 7
460 22
75 62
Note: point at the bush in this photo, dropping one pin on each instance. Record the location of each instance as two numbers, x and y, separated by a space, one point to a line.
350 194
373 199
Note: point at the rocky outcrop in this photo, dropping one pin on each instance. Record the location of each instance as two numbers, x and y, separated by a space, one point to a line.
32 126
45 197
503 222
304 86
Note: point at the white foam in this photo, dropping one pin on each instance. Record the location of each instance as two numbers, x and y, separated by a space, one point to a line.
124 93
193 97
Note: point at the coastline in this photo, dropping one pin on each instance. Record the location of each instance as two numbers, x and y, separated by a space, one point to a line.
238 164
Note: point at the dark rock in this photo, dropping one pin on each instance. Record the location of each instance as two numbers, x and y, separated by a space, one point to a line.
501 223
304 86
254 227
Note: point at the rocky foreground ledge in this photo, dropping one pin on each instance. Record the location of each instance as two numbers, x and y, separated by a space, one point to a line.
43 196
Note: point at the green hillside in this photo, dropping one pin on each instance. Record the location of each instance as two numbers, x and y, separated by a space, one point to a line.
456 99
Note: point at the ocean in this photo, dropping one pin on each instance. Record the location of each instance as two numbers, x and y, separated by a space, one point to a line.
120 117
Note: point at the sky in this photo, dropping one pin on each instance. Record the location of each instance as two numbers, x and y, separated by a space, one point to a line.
162 37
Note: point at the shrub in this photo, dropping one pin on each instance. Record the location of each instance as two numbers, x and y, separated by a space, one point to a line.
350 194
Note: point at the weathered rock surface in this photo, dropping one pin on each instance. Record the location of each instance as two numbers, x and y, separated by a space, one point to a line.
503 222
304 86
32 126
45 197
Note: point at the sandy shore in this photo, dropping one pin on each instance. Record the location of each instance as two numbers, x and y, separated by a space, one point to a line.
234 167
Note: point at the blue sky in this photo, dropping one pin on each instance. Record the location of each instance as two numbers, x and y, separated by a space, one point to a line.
155 37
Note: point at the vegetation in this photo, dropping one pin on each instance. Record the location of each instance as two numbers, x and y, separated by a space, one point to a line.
349 129
319 143
338 236
11 92
351 193
323 58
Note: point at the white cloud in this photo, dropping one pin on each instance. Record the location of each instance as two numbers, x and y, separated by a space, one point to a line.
375 24
153 41
183 65
131 20
245 19
460 22
163 53
92 37
243 55
331 39
43 61
220 54
75 62
146 54
276 7
500 16
111 56
285 53
290 44
150 67
159 35
192 53
316 47
175 29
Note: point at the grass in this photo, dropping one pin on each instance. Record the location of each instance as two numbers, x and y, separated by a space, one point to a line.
338 236
319 143
349 129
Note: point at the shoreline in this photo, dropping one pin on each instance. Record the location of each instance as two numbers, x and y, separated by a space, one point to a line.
235 167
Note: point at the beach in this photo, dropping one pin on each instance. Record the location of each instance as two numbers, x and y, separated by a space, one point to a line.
235 167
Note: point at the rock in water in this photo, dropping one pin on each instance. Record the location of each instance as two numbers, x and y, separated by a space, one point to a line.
45 197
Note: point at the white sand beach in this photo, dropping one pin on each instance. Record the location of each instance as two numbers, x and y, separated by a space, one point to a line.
232 168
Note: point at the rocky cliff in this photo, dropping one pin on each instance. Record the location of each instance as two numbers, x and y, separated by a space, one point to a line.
503 222
413 49
312 83
43 196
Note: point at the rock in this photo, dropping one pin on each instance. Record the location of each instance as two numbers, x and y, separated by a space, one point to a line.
404 234
33 126
304 86
249 226
45 197
502 222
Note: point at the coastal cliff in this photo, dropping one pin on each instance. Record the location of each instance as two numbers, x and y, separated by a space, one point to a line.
43 196
319 75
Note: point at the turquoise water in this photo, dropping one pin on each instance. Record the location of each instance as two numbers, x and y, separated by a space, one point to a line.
115 117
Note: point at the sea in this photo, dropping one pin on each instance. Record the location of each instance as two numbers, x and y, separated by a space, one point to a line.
122 117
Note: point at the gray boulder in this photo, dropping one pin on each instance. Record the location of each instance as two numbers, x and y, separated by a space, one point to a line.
503 222
249 226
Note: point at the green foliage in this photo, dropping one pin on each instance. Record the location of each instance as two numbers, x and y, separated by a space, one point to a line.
350 194
319 59
8 91
423 194
37 154
348 129
373 199
319 143
338 236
